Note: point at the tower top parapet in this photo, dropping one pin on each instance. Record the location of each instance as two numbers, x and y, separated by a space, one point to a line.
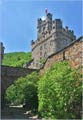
48 27
51 38
49 14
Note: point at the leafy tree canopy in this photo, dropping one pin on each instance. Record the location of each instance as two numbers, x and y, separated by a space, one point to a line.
60 92
57 93
16 59
24 91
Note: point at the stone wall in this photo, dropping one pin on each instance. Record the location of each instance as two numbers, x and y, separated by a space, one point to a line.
15 71
10 74
72 53
1 52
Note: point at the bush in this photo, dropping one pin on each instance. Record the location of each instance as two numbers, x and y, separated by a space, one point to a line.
10 94
24 91
31 98
60 92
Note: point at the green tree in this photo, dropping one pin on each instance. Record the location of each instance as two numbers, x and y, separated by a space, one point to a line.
10 94
24 91
16 59
60 92
31 98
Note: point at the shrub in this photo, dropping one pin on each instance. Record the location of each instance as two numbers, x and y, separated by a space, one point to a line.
60 92
31 98
24 91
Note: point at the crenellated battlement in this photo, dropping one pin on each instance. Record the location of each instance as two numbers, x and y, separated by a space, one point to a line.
51 37
47 35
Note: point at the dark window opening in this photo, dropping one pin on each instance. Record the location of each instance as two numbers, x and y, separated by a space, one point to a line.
40 47
53 27
43 29
45 55
45 45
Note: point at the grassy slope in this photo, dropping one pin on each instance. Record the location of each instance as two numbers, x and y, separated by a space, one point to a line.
16 58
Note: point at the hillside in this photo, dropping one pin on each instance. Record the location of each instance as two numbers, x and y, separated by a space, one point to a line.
16 59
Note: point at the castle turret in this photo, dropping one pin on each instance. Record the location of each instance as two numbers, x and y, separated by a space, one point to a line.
39 22
39 27
44 26
49 21
58 24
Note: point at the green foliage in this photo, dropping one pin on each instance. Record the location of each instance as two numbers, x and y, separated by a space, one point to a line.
16 58
57 94
24 91
31 98
11 94
60 92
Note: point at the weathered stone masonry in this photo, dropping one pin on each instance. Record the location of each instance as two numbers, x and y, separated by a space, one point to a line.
10 74
72 53
51 38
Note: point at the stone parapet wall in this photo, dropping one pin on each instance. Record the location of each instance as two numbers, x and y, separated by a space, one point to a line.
15 71
72 53
10 74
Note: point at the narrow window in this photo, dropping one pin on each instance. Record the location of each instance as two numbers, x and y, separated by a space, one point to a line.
45 55
40 47
43 29
45 45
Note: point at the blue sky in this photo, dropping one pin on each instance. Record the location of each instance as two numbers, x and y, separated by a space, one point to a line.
18 20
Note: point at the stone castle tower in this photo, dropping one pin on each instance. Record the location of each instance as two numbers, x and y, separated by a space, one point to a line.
51 38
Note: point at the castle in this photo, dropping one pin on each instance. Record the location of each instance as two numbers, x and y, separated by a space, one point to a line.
51 38
54 43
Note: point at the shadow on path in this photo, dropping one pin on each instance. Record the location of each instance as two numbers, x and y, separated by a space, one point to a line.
17 112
